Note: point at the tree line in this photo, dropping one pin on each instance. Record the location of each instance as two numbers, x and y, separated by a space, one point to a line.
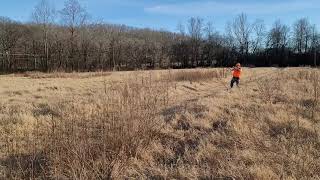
66 40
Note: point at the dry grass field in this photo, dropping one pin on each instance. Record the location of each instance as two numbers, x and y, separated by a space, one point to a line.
170 124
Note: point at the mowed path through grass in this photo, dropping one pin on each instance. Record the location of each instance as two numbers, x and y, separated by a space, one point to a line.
41 87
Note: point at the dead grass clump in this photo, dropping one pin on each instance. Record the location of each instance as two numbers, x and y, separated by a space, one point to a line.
310 109
281 129
97 138
220 125
315 106
93 138
310 102
197 110
17 140
170 113
183 124
198 75
305 74
271 90
43 109
23 166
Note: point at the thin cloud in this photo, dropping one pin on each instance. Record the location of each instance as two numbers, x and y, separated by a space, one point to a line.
214 8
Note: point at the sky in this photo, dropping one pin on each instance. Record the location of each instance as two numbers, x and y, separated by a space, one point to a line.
166 14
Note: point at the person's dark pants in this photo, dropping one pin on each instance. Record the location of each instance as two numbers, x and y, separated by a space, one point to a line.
235 80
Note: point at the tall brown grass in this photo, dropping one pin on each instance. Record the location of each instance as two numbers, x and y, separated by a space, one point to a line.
90 138
40 75
139 129
199 75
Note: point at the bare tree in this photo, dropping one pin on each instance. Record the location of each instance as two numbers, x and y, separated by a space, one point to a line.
277 42
302 35
73 16
115 38
278 36
10 34
181 28
259 35
195 28
241 30
315 41
43 15
209 30
229 38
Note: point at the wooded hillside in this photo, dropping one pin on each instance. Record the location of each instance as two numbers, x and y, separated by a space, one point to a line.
66 40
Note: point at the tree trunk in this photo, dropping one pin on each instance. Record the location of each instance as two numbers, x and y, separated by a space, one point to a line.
315 57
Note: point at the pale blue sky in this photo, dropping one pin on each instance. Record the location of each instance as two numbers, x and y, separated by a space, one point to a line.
166 14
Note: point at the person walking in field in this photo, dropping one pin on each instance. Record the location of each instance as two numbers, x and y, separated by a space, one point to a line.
236 73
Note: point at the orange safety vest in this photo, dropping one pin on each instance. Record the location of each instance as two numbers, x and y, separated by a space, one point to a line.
236 73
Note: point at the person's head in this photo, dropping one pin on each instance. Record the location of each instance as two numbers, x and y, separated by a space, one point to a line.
238 65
